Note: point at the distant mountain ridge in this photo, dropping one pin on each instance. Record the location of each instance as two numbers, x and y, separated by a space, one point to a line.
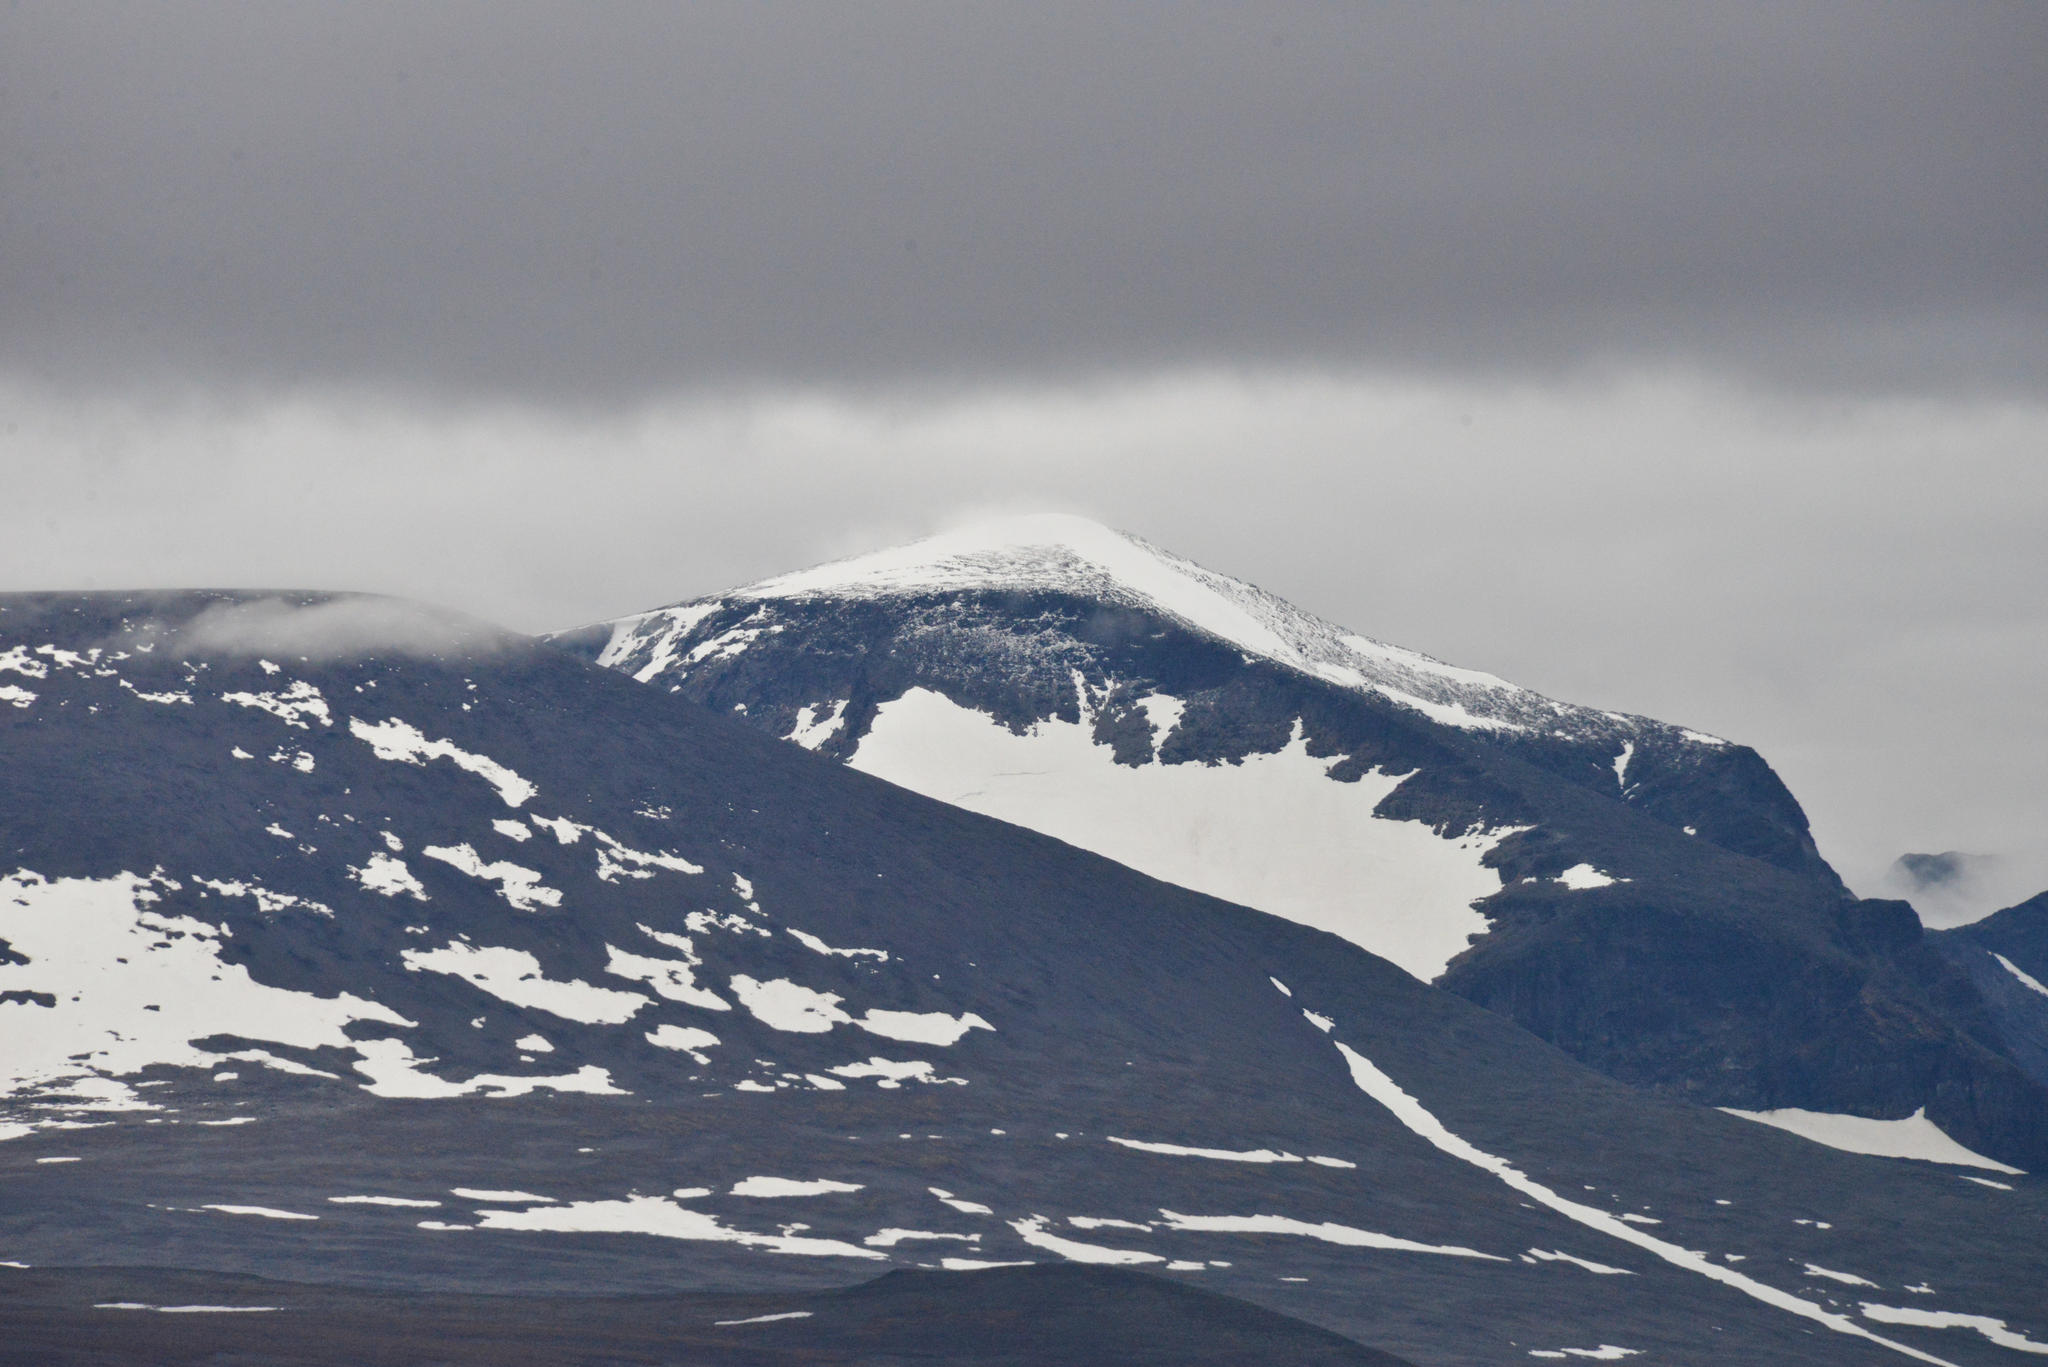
1648 897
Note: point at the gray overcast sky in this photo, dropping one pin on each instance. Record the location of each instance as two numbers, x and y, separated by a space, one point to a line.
1688 359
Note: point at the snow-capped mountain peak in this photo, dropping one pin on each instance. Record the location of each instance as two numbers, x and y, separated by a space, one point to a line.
1066 554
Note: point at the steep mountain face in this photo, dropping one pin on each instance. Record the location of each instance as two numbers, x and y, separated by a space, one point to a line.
2006 957
1643 895
484 969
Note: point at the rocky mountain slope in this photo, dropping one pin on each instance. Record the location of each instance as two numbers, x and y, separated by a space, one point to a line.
475 968
1643 895
2006 957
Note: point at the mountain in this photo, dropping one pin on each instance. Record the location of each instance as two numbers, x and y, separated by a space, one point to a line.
2006 957
363 954
1643 895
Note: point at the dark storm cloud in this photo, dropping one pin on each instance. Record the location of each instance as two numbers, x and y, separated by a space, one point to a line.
595 203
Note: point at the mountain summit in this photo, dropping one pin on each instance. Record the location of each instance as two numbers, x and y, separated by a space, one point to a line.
1642 894
1073 556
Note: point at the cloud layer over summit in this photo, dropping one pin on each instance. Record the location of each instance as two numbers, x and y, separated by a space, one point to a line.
584 204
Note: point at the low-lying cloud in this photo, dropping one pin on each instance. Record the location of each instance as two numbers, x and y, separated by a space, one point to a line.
352 627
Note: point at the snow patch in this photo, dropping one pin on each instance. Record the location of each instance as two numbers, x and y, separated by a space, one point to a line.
187 1309
1992 1329
18 660
674 979
660 1218
1600 1269
1913 1137
1579 877
1325 1231
789 1186
921 1027
1606 1352
963 1206
783 1005
1227 1155
519 886
388 874
133 988
814 728
659 631
292 706
394 1072
1163 714
889 1238
615 859
2021 974
892 1074
404 743
267 902
514 976
498 1197
1033 1231
1272 831
817 945
764 1319
684 1039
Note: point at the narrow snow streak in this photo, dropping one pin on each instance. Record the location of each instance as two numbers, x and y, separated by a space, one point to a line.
2021 974
1992 1329
1033 1232
1227 1155
1606 1352
1327 1231
765 1319
525 1198
790 1186
1418 1119
1600 1269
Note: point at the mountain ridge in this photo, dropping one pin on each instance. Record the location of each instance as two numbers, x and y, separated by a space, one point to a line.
993 668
